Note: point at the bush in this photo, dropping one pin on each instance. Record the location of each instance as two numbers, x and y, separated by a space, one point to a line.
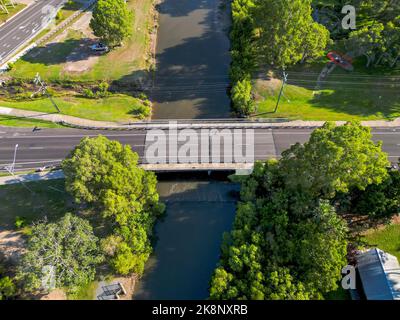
7 288
20 222
102 90
88 93
242 98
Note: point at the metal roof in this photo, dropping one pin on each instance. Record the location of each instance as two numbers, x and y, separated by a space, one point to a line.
380 275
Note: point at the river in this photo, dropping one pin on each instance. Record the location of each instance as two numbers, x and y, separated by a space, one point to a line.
191 78
190 82
189 237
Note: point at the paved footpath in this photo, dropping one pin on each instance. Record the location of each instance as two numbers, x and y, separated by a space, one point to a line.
59 174
227 123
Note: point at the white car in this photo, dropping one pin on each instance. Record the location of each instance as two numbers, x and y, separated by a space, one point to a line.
99 47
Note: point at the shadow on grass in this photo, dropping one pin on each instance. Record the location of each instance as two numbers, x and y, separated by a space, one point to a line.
70 50
364 92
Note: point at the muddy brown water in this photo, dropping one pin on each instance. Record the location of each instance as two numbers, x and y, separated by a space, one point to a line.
193 60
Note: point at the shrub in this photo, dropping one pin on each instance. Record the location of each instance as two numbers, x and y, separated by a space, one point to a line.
242 98
20 222
7 288
88 93
102 90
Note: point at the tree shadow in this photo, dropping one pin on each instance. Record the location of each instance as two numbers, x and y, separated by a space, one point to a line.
191 78
179 8
359 93
70 50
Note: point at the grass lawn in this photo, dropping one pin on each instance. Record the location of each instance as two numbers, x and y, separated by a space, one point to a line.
339 294
360 95
87 292
113 108
25 122
124 63
44 199
386 239
12 11
48 60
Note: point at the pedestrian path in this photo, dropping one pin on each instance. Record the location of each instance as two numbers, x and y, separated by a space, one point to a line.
51 175
164 124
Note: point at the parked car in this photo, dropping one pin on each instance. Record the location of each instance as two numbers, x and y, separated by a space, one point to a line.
99 47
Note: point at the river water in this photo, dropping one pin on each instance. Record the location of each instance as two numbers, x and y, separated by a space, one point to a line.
190 82
188 238
191 79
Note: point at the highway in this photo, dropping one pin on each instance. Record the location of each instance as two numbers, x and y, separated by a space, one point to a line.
25 25
50 146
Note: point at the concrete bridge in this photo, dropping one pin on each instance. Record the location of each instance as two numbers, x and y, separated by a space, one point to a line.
173 149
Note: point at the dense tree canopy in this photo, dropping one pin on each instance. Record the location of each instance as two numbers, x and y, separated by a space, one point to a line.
288 33
112 21
69 246
377 36
334 159
287 241
105 174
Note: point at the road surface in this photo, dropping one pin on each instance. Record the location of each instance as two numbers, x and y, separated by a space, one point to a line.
24 26
50 146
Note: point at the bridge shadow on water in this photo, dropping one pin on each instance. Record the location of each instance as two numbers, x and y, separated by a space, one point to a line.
189 238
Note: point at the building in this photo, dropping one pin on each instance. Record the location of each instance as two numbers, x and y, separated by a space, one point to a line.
379 275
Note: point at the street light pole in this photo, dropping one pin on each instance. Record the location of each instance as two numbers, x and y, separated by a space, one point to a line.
11 168
285 78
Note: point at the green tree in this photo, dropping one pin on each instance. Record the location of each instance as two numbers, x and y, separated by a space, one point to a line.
106 175
112 21
69 246
242 98
287 240
378 201
336 158
287 31
7 288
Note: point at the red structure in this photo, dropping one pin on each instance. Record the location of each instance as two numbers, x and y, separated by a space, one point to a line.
341 60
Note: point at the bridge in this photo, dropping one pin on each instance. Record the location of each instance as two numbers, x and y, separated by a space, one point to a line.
176 148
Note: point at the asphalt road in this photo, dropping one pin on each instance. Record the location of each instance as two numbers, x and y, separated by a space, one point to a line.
24 26
49 146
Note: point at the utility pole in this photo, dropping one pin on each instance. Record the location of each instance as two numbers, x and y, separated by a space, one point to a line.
284 81
43 90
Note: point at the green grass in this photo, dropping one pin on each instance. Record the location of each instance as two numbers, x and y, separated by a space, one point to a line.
125 63
338 294
360 95
44 199
12 11
48 61
112 108
10 121
387 239
86 292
